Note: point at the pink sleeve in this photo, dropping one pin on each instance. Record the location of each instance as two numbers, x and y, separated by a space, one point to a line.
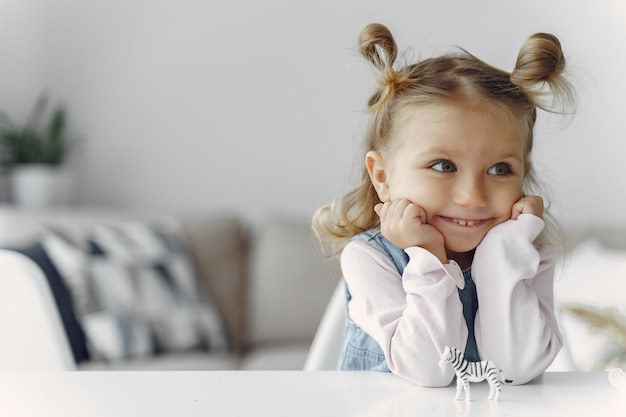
411 317
516 325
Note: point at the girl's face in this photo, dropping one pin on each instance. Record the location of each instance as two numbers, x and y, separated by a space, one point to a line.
460 164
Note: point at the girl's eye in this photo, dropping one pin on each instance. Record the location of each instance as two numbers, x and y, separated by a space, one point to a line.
500 169
444 166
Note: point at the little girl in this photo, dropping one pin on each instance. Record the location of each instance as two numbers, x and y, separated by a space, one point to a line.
443 243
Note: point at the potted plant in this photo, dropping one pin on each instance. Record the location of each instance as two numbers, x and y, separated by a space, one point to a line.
34 156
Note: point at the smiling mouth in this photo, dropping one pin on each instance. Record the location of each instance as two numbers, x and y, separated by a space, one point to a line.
466 222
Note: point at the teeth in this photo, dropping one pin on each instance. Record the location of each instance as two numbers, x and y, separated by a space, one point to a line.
465 222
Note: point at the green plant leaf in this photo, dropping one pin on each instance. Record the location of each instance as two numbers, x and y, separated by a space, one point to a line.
30 144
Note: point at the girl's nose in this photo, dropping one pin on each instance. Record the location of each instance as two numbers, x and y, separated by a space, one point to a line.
470 192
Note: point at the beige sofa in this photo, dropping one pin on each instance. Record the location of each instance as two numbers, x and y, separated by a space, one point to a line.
267 280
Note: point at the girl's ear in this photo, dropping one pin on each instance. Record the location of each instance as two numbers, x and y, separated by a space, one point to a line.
376 170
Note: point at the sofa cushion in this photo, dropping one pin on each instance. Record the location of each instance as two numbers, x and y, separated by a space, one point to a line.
290 283
136 291
217 243
219 248
62 298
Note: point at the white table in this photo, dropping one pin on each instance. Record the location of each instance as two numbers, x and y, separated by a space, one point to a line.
293 394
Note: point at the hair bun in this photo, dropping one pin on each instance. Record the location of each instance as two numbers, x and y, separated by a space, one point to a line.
540 72
540 59
378 46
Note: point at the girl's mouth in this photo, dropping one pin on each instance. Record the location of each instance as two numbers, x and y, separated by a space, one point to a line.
466 222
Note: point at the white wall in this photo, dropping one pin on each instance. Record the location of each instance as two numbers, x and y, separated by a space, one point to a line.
254 106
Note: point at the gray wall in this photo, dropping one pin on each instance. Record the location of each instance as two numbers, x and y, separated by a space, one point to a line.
254 105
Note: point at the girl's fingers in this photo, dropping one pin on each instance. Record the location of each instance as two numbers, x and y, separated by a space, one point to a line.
527 205
413 211
400 209
397 208
389 209
382 209
378 208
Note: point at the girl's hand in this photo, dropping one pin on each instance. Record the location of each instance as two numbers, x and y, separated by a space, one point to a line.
404 224
531 204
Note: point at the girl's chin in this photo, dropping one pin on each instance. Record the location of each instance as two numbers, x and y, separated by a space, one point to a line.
464 248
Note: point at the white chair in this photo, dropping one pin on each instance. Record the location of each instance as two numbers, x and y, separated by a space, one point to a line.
31 331
324 352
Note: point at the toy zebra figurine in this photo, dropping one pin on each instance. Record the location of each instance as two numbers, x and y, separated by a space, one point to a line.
467 372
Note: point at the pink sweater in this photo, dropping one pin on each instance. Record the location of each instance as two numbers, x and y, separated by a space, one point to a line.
413 316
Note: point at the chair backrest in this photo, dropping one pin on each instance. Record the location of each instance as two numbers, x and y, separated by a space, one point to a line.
31 331
326 347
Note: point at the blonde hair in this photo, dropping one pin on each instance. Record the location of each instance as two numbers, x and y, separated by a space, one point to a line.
514 97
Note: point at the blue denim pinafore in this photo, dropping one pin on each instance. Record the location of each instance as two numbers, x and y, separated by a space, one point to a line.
360 352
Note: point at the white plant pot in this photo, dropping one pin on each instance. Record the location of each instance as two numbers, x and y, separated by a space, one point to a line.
41 185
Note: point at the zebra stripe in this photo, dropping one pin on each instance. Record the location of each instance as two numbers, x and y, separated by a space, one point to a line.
467 372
